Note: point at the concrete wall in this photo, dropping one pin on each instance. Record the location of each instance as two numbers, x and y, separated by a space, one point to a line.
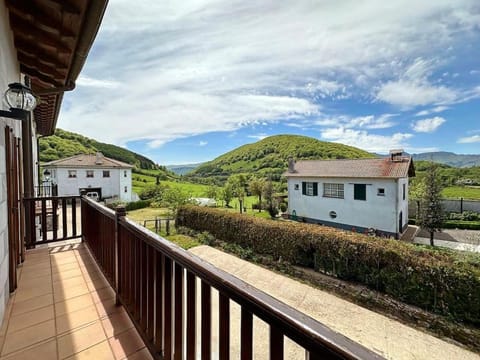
452 205
379 212
9 72
111 186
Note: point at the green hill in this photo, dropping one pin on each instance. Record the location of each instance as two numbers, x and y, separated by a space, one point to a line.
449 158
64 144
268 157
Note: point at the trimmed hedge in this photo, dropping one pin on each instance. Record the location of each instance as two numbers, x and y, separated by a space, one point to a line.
135 205
435 280
461 224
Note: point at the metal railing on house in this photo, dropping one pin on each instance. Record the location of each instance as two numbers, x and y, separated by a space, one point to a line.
46 190
156 281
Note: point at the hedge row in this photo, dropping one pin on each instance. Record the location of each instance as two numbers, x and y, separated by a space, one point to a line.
461 224
434 280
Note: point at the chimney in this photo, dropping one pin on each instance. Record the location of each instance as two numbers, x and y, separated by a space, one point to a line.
396 155
291 165
99 158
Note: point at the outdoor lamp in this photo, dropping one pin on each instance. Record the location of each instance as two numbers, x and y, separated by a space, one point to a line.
46 175
20 100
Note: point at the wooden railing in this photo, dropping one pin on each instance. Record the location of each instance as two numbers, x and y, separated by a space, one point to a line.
51 218
156 281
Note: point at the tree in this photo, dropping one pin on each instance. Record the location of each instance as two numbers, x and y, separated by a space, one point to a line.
268 193
416 192
212 192
257 186
227 194
432 216
238 183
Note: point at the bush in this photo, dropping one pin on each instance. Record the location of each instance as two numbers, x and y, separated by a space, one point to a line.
432 279
135 205
464 216
459 224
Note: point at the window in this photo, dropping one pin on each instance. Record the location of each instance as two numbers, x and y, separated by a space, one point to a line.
404 191
106 173
125 189
125 173
310 188
89 173
296 187
332 214
381 192
359 191
333 190
72 173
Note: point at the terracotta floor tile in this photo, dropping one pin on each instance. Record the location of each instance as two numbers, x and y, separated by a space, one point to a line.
66 274
116 323
143 354
37 273
26 281
36 264
29 336
103 294
107 307
56 261
75 319
46 350
30 318
20 307
32 292
126 344
73 304
68 283
80 340
64 267
100 351
62 294
92 275
97 284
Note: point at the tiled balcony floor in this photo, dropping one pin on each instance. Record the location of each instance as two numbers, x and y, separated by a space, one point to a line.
64 308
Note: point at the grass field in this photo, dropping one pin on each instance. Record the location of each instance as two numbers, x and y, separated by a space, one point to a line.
140 181
466 192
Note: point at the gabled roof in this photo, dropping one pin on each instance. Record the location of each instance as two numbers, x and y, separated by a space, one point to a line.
88 160
52 39
358 168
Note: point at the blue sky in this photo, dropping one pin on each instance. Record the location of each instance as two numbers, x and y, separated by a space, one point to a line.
186 81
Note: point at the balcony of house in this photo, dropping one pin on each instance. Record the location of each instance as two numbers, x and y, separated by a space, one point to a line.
117 289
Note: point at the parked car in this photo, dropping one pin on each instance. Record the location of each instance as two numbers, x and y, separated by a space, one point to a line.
93 195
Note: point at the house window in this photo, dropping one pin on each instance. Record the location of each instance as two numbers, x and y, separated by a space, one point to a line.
89 173
309 188
296 187
404 191
106 173
359 191
125 189
125 173
333 190
381 192
72 173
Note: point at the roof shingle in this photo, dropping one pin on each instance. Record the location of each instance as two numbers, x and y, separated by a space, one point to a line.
88 160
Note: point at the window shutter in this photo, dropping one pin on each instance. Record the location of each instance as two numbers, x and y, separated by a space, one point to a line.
315 189
304 188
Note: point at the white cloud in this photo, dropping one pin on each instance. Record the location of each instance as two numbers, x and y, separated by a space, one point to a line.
367 122
182 68
363 140
202 143
428 125
258 136
435 110
469 139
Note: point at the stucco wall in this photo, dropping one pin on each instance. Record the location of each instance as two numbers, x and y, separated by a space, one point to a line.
379 212
9 72
126 181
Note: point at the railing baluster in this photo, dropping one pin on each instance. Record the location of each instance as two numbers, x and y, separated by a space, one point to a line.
276 344
143 286
178 305
44 219
137 279
64 218
167 313
158 301
191 315
74 217
224 326
206 306
150 292
246 335
55 219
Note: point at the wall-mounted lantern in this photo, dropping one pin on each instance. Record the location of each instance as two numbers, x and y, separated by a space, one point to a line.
21 101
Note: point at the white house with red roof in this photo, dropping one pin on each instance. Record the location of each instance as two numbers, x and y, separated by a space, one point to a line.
363 195
100 176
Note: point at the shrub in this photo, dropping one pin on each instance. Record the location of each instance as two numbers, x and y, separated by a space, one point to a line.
435 280
460 224
135 205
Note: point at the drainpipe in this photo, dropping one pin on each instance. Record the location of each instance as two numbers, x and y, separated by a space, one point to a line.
397 231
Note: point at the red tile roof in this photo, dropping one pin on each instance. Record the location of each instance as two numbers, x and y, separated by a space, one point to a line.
358 168
88 160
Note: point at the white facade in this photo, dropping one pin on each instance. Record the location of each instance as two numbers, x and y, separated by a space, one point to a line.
108 181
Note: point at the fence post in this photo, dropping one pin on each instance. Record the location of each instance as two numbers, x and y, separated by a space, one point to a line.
167 227
120 212
461 205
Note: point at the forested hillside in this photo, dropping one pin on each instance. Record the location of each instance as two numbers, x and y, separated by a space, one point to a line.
268 157
64 144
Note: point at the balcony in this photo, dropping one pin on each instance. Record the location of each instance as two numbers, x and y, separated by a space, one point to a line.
179 305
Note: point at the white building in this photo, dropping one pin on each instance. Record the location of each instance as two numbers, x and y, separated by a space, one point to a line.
358 195
96 174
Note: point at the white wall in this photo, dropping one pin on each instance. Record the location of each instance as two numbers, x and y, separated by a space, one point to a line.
379 212
9 72
111 186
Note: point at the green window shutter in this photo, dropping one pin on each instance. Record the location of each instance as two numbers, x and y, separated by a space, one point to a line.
304 188
315 189
360 192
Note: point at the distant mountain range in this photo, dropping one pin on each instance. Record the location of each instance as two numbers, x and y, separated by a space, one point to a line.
183 169
449 158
